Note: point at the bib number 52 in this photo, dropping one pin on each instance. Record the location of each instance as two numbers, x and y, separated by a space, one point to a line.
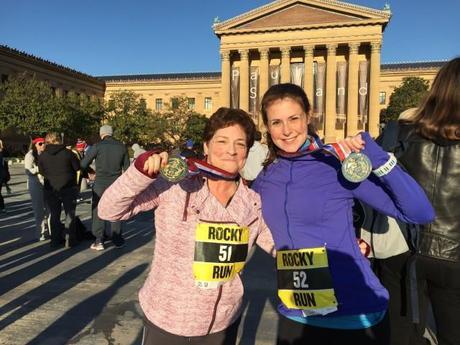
300 279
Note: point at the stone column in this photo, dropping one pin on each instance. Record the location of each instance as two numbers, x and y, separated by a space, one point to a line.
244 79
352 102
264 77
264 71
225 87
331 90
308 73
285 65
374 85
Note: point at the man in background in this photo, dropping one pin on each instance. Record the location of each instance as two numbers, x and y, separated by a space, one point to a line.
111 157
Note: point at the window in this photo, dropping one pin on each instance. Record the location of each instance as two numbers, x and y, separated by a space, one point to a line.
382 97
174 103
158 104
191 103
207 103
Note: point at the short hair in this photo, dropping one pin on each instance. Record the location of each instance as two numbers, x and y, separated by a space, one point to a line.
53 138
226 117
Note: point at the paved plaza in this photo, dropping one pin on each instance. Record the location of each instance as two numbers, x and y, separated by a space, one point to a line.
79 296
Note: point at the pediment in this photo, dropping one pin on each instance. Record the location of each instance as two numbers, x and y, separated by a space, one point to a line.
295 15
301 13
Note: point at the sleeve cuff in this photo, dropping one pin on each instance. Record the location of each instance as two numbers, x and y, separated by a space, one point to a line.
140 161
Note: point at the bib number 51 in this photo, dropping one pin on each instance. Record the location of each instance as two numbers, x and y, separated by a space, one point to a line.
225 253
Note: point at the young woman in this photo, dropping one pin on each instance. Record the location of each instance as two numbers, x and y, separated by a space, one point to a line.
35 186
328 291
204 227
432 157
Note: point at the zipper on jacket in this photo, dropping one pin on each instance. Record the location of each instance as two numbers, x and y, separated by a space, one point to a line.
214 312
286 196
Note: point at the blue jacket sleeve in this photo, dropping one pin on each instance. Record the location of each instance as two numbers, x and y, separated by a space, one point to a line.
396 194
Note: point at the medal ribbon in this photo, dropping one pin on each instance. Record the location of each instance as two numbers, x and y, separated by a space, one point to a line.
314 144
198 166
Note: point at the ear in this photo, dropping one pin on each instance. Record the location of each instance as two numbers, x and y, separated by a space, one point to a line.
205 148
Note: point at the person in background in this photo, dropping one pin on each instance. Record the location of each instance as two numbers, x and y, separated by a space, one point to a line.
59 167
205 226
35 183
431 155
328 291
4 176
258 154
111 157
137 150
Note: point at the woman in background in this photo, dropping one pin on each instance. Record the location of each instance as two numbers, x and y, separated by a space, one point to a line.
35 186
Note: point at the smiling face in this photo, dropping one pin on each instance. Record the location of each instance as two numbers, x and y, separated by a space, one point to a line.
287 124
227 149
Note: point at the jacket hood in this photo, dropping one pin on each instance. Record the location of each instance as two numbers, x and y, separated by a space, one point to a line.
54 149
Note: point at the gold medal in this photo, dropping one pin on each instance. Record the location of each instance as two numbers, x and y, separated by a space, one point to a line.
175 171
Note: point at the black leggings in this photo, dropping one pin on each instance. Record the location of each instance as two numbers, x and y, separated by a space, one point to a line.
2 202
154 335
295 333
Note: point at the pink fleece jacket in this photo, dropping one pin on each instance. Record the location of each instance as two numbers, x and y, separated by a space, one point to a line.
169 297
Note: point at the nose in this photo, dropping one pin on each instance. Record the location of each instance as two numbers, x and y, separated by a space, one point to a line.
286 129
232 149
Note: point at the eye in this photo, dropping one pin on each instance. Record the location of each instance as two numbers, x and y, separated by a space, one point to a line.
275 123
241 144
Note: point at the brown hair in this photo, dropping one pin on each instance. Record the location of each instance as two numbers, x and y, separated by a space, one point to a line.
226 117
275 93
53 138
439 113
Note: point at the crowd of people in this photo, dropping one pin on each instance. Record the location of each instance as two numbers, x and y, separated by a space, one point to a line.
294 197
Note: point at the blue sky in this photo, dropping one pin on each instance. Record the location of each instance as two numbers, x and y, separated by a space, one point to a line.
108 37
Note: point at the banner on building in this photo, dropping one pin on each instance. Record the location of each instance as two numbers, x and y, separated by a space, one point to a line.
274 75
235 88
319 77
297 73
341 92
254 93
363 103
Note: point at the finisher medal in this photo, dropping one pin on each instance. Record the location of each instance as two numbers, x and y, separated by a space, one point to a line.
356 167
175 171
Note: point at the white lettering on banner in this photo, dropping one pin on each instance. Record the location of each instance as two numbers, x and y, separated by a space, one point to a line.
341 91
235 73
253 76
363 90
274 74
253 92
319 92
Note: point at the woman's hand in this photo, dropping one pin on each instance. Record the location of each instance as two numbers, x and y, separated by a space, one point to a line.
155 162
352 144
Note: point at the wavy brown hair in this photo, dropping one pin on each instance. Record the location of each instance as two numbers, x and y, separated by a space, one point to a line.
275 93
439 113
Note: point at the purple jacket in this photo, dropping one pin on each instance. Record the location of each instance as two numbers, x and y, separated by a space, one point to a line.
306 202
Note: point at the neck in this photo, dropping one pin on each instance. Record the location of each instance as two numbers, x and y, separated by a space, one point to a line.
223 190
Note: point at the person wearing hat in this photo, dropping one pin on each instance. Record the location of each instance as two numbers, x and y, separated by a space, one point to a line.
35 187
111 157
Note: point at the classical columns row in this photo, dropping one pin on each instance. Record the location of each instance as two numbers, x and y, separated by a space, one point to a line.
331 84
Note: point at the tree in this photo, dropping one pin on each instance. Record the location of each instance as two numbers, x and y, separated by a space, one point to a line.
83 115
177 124
29 106
406 96
127 113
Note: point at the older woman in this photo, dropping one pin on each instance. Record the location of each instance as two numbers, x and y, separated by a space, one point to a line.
35 186
204 225
328 291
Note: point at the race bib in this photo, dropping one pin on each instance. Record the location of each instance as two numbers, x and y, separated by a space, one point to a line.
305 282
220 253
